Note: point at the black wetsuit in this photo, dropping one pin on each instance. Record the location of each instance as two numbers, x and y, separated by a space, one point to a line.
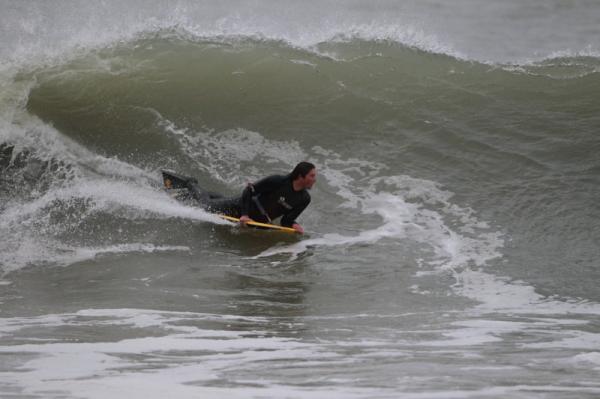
263 201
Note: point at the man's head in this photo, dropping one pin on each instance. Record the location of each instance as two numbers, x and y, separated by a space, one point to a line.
304 175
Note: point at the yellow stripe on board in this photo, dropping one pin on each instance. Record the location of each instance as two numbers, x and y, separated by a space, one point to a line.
258 224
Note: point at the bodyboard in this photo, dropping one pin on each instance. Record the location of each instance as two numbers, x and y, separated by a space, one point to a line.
261 225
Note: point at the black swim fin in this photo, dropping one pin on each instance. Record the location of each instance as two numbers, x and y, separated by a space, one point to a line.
174 180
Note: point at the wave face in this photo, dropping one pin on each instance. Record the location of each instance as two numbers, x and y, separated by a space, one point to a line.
454 221
233 109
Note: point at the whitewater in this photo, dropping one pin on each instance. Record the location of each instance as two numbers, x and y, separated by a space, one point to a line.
451 246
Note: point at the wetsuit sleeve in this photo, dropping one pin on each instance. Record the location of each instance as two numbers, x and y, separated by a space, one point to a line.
265 185
289 218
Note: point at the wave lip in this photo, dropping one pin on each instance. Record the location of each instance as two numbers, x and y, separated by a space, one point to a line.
48 31
45 29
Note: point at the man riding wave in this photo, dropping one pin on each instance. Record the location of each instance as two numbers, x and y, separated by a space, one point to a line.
274 196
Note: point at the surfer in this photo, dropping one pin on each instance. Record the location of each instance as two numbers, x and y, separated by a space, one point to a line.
284 196
278 195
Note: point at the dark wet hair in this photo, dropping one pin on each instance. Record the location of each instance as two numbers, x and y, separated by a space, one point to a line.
301 170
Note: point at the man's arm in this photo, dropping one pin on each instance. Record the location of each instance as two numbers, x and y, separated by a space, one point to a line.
289 219
265 185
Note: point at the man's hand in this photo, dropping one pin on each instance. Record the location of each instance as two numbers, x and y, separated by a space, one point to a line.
244 219
298 228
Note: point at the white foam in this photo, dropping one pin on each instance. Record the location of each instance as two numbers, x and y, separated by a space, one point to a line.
586 359
35 251
177 357
499 392
573 339
304 62
23 244
334 240
102 195
501 294
79 254
176 363
589 51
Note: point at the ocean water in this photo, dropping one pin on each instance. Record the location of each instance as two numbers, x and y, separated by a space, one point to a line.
452 239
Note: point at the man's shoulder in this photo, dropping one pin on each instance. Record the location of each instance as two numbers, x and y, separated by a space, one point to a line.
275 179
279 177
270 183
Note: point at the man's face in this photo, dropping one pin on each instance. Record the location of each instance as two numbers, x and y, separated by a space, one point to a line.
310 179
